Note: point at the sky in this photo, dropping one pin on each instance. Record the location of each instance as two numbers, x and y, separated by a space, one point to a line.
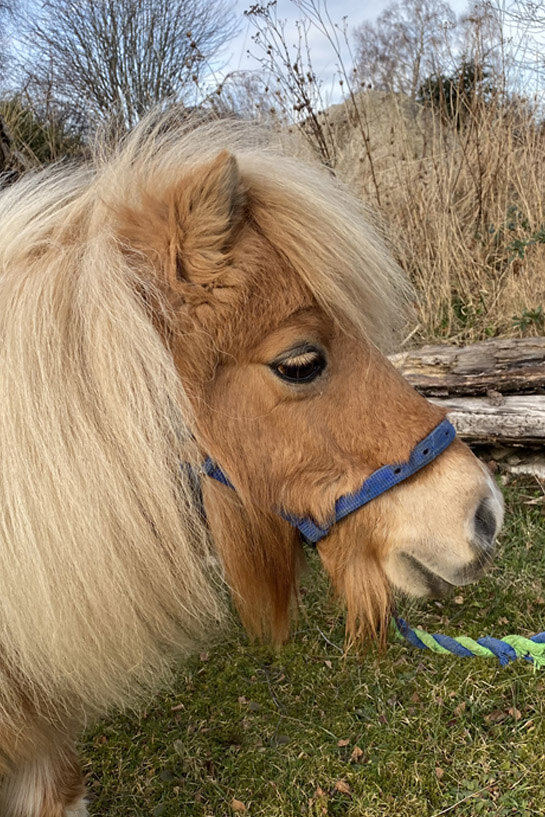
357 11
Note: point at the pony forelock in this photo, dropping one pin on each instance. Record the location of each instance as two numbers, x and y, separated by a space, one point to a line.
332 240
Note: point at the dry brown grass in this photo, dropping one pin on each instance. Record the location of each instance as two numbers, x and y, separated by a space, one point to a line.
462 206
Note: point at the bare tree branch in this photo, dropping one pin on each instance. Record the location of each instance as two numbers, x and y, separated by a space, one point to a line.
408 42
122 57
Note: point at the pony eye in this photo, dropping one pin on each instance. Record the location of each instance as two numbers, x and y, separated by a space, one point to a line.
303 367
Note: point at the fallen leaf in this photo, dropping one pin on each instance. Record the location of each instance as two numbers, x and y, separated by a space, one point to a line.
342 787
495 716
343 742
238 805
460 708
356 755
515 713
328 664
439 772
458 599
318 803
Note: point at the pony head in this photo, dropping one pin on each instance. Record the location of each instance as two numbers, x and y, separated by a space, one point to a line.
276 299
198 295
195 295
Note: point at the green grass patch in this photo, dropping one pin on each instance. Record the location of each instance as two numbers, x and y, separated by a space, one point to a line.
310 731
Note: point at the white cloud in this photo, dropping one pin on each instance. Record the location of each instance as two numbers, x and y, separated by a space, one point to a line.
236 57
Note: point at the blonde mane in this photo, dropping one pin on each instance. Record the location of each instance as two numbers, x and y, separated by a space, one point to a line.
330 238
106 569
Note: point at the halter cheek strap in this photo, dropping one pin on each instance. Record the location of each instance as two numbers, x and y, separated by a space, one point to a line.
376 484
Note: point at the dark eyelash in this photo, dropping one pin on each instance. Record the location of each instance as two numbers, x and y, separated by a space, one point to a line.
302 367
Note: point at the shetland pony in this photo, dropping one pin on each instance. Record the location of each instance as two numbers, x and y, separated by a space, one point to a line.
194 294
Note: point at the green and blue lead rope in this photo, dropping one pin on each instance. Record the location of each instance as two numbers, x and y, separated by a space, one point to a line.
505 649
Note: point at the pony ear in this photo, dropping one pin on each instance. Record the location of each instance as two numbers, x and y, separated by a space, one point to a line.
188 229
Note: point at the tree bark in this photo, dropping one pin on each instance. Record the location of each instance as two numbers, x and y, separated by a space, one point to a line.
494 394
5 147
507 365
516 420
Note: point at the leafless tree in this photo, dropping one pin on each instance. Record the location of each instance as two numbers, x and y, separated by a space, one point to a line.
119 58
408 42
525 22
6 9
482 37
247 95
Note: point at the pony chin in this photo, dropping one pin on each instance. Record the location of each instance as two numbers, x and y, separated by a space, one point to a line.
358 578
262 558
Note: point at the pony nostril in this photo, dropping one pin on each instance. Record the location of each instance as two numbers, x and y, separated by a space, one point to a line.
485 523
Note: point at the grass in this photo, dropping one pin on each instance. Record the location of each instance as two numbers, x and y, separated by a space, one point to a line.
462 208
310 731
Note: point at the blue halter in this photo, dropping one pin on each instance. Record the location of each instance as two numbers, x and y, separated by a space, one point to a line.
376 484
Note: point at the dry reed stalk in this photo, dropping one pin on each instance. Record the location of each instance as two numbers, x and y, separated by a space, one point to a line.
462 204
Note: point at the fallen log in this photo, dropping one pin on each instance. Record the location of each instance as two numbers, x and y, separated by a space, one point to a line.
505 365
516 420
494 393
508 433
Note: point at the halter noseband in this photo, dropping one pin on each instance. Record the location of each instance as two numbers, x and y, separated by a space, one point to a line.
376 484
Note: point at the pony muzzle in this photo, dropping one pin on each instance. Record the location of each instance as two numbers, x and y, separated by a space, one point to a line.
454 541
